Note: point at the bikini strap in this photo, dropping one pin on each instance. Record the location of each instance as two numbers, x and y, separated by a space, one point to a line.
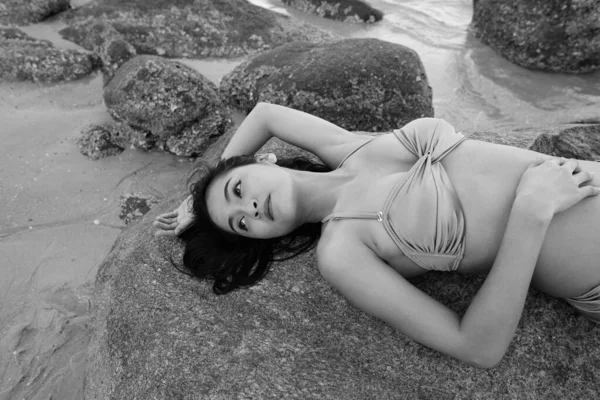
354 151
353 215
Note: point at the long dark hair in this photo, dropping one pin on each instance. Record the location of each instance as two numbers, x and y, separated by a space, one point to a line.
234 261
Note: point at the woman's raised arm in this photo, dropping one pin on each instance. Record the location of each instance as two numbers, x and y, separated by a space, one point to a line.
483 334
327 141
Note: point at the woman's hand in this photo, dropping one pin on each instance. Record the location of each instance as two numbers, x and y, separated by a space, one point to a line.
555 185
175 222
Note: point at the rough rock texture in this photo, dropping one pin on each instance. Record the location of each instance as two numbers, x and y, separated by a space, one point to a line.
22 12
96 142
581 142
23 58
160 334
110 46
548 35
168 104
341 10
135 205
190 28
359 84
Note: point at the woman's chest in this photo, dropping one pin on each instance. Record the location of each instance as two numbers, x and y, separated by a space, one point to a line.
484 187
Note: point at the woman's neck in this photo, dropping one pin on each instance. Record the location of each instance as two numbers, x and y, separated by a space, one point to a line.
318 193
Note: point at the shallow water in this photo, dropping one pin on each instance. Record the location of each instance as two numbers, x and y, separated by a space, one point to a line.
60 210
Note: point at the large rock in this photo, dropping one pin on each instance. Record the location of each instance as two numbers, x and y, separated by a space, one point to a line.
190 28
359 84
159 334
23 58
22 12
165 104
581 142
341 10
547 35
110 46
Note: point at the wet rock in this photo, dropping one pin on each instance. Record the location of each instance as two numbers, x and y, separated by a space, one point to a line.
581 142
175 107
193 29
23 58
23 12
96 142
135 205
110 46
359 84
159 334
341 10
547 35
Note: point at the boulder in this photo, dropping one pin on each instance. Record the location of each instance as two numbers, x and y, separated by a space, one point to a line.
190 29
110 46
359 84
341 10
158 333
581 142
547 35
23 58
19 12
165 104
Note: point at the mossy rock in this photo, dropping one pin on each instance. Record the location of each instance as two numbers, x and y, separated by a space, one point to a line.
190 28
358 84
23 58
23 12
547 35
160 334
340 10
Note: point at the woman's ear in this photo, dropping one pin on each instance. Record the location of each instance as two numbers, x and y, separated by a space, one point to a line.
268 158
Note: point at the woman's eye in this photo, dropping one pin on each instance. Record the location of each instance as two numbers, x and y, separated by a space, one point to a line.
242 224
237 189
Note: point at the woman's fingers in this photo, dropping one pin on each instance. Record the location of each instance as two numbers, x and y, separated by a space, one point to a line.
165 220
588 191
164 233
570 164
583 176
172 214
165 226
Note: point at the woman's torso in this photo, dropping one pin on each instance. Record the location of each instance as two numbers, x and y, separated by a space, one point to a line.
485 177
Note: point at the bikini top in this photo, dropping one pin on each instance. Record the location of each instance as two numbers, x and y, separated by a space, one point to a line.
422 213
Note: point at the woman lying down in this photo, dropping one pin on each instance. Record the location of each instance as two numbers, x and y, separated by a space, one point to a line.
384 209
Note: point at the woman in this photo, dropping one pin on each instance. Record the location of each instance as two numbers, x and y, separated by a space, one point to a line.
395 206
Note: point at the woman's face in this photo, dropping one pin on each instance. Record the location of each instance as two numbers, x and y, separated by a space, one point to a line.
256 200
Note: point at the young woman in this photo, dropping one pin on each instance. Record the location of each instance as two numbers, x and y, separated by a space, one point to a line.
393 207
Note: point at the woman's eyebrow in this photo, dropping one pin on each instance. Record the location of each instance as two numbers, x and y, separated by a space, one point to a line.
225 192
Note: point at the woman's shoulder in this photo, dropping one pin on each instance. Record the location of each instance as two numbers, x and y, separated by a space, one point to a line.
337 245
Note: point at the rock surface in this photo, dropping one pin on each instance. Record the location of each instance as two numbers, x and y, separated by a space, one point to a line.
547 35
160 334
581 142
341 10
23 12
161 103
190 28
359 84
135 205
23 58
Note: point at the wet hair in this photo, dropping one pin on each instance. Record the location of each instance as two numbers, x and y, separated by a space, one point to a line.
231 260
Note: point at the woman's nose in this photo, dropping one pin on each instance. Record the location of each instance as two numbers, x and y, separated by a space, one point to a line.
252 208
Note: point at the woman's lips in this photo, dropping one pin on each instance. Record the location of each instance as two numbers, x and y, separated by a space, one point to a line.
268 212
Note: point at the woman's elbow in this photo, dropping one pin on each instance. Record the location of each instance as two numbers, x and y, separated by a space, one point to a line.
485 360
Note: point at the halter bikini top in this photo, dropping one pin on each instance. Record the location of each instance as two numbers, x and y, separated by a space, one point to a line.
422 213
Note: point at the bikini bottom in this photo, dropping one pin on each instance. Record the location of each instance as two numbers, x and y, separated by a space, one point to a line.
588 304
